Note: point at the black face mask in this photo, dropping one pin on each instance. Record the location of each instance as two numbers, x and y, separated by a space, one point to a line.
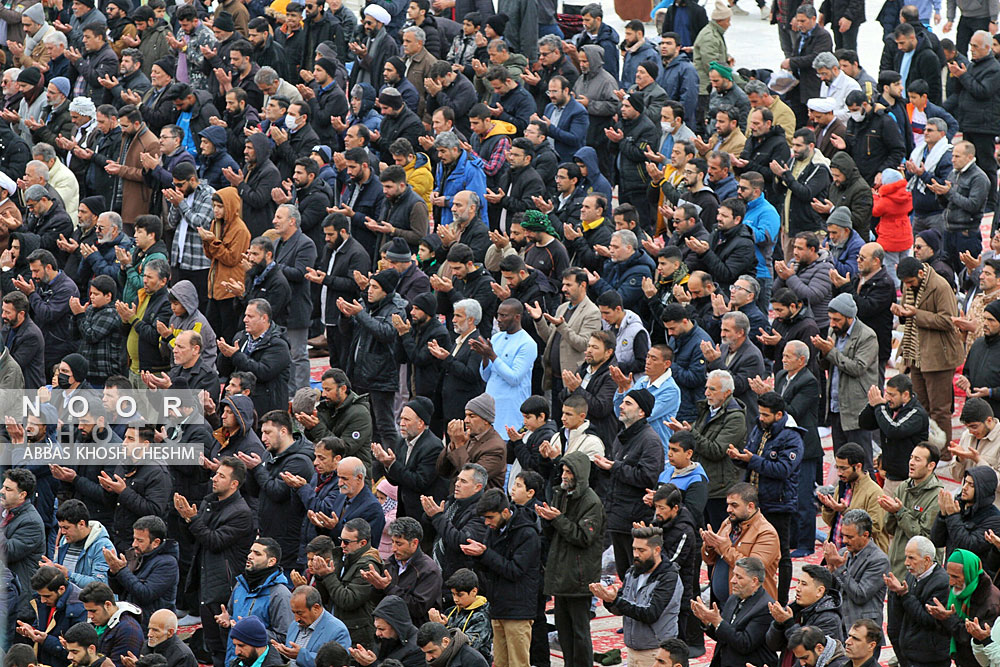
62 381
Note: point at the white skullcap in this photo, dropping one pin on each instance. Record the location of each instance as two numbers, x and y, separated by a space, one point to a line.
83 106
378 13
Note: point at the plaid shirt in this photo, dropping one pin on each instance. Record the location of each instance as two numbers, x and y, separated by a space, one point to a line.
102 342
198 213
498 157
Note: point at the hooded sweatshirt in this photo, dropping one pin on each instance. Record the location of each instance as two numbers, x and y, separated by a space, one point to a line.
258 207
599 87
212 165
595 182
243 439
232 238
403 647
366 115
184 291
854 193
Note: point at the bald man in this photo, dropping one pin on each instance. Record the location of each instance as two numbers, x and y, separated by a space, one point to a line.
162 639
356 500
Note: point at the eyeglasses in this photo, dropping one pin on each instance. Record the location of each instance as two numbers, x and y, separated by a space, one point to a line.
343 541
733 288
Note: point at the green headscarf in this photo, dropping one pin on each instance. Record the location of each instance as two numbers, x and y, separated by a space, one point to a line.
536 221
972 567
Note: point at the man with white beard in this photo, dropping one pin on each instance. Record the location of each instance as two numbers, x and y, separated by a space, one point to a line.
461 381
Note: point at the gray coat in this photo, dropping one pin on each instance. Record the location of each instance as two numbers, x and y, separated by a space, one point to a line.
858 364
812 284
861 585
25 546
966 200
598 86
747 363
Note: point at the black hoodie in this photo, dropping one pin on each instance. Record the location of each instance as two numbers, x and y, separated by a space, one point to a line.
508 569
966 529
403 647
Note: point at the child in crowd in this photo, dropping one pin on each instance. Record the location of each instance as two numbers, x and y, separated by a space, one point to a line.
471 613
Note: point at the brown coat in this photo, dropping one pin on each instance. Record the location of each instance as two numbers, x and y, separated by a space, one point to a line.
758 538
941 347
865 497
232 238
419 69
135 192
488 450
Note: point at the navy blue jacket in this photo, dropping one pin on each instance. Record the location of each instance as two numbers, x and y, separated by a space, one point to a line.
608 40
689 371
364 505
570 132
777 465
69 612
518 106
679 80
319 495
150 581
626 278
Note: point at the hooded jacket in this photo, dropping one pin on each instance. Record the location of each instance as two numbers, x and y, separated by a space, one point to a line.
854 193
595 182
509 568
269 360
420 177
796 193
875 143
186 293
892 205
212 165
55 621
606 40
576 536
403 647
823 614
255 190
268 600
650 607
225 251
966 529
598 85
90 563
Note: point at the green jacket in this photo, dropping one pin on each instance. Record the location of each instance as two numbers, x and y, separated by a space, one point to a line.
920 508
130 277
352 599
576 537
712 437
351 422
709 45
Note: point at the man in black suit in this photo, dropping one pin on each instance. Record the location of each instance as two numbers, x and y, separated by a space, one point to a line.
414 470
800 389
812 40
295 253
24 339
739 629
460 381
342 257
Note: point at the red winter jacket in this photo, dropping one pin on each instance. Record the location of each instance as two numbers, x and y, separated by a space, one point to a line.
893 203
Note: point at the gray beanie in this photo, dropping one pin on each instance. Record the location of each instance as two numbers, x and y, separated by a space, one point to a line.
36 13
484 406
840 216
844 304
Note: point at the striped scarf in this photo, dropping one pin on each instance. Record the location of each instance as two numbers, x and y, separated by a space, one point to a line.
910 347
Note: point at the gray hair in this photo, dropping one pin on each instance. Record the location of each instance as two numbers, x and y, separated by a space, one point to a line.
40 168
983 36
417 32
447 139
938 123
551 41
57 38
858 518
358 467
756 87
47 152
825 59
472 309
750 280
724 377
627 237
478 473
799 349
806 10
311 595
753 566
266 75
112 217
36 193
739 320
293 213
160 266
923 545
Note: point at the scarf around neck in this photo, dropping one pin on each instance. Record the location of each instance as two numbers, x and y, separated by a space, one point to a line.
910 347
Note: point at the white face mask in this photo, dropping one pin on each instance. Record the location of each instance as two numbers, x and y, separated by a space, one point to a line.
291 122
857 116
666 127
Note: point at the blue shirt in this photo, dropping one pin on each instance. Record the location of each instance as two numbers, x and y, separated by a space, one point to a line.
187 141
508 377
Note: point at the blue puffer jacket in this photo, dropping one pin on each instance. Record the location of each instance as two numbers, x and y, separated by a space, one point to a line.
150 581
103 262
689 371
90 566
777 465
634 58
679 79
846 260
469 174
763 219
268 601
212 165
626 279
